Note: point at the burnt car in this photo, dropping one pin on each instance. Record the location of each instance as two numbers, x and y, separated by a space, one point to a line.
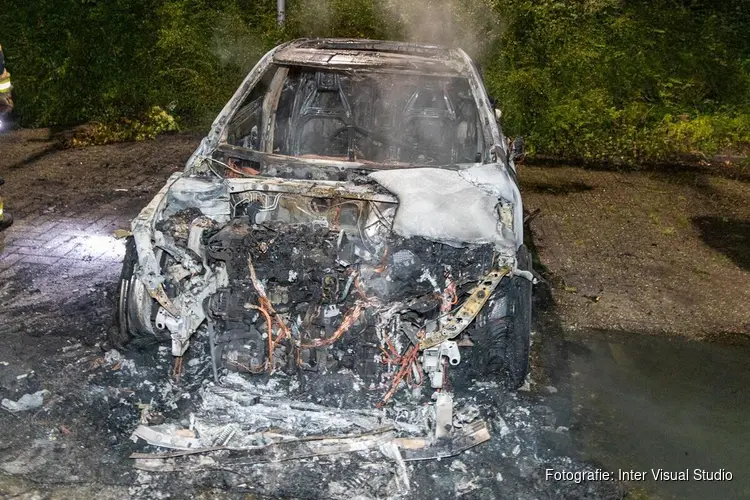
353 207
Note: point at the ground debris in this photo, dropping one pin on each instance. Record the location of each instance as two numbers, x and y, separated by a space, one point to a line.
26 402
166 436
244 424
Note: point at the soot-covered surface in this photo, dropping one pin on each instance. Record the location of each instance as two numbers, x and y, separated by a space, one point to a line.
98 396
315 282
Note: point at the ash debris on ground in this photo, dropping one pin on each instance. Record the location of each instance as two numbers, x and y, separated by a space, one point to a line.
510 465
44 305
104 395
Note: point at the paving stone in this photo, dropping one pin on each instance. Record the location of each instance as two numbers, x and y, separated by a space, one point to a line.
8 259
39 259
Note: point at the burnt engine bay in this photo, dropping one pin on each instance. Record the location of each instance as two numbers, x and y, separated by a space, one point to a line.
306 298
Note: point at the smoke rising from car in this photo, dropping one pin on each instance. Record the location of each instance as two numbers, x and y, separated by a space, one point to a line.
468 24
472 25
233 42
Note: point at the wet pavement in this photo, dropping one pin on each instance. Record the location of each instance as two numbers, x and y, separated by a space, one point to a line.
646 402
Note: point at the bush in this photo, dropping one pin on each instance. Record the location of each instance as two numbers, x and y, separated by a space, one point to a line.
706 134
627 81
153 123
592 79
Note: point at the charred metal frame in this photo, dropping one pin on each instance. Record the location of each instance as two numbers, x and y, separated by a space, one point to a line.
183 315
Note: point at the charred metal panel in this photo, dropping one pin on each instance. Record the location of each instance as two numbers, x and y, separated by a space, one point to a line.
352 59
317 189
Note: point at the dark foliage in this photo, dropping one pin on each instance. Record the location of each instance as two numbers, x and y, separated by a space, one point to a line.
628 80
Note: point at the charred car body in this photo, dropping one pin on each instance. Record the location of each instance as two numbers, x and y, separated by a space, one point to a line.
354 206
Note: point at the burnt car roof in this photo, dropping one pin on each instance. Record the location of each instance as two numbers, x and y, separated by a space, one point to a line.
342 53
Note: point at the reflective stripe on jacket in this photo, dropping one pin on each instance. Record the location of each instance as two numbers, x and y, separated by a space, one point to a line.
5 85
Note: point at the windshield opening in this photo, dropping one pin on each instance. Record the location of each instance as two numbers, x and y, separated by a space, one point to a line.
363 116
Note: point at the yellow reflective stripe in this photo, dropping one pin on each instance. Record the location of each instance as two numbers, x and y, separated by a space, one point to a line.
5 85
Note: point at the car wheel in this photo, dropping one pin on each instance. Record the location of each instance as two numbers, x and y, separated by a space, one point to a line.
519 336
502 332
129 325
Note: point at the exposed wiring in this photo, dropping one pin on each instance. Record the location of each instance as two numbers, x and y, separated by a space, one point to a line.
177 369
365 242
382 265
262 198
347 323
244 367
380 216
449 296
269 331
420 374
405 371
268 311
265 206
347 202
303 210
409 369
229 167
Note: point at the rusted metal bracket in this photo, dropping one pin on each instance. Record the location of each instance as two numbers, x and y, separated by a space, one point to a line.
465 314
467 437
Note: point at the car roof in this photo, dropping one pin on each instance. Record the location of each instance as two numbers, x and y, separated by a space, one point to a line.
376 55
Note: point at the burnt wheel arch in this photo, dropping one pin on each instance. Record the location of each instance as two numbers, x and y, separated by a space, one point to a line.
128 325
502 331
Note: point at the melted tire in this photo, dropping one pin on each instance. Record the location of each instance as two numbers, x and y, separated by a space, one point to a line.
502 335
125 329
518 341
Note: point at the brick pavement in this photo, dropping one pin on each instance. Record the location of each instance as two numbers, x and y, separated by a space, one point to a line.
65 242
83 240
67 203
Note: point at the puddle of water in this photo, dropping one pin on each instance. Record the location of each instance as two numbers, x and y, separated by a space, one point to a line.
645 403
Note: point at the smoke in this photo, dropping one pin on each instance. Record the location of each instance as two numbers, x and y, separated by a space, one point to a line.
313 18
472 25
234 42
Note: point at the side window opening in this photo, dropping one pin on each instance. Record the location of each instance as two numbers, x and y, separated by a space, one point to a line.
245 127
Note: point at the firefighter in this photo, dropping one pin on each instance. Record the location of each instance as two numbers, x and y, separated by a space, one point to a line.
6 106
5 218
6 99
